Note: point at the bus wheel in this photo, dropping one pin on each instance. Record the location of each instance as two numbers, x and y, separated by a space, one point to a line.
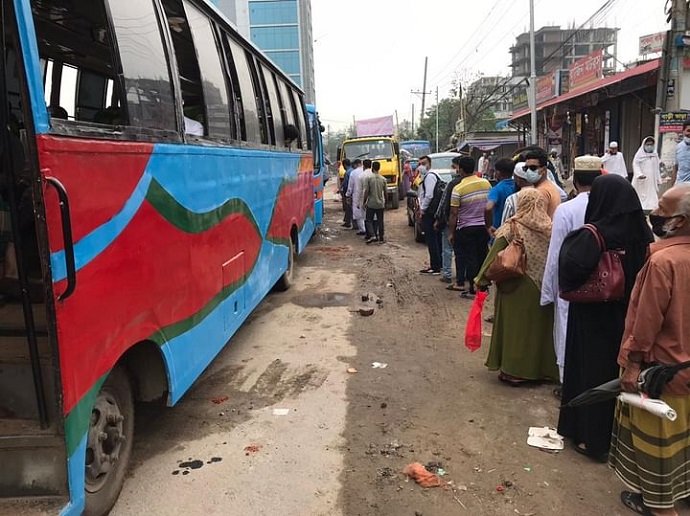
286 279
109 443
395 200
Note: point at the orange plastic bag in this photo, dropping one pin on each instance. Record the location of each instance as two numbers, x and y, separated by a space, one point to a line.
473 330
419 474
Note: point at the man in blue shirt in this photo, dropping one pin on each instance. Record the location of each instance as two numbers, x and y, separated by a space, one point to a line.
681 172
493 212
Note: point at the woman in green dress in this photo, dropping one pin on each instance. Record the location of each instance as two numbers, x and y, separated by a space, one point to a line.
522 337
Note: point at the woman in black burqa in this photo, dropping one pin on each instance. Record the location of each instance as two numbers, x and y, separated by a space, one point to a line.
595 330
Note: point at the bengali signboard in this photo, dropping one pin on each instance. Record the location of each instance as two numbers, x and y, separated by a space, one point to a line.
672 122
546 89
520 99
652 43
587 70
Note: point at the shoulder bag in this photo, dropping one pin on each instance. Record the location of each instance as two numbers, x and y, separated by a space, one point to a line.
607 282
511 262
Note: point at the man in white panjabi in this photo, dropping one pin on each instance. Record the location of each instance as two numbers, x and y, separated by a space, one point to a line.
355 190
614 162
568 217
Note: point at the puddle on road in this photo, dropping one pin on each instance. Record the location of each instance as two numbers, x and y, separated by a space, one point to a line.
323 300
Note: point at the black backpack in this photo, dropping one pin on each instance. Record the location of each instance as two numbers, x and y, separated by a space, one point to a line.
439 188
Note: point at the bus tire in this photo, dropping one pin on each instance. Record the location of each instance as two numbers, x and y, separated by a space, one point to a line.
395 200
109 443
286 279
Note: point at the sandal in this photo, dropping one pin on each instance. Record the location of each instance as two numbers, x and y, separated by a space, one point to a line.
513 381
603 458
635 503
467 294
456 288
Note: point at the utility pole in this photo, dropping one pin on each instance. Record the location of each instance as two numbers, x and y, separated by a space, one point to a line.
436 118
533 73
413 119
674 92
426 62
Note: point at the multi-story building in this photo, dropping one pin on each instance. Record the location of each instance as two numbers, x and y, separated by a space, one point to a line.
495 94
283 30
557 49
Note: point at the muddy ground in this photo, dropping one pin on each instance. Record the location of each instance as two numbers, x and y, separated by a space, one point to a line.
340 443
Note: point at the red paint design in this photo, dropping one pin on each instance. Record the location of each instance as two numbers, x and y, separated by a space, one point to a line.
298 195
95 195
146 280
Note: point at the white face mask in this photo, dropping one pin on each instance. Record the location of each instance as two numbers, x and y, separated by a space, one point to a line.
649 148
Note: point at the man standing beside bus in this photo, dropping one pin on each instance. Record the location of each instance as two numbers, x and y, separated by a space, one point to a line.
375 202
354 196
347 207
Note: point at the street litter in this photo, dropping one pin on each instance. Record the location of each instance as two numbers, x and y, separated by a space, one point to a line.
281 411
378 365
419 474
528 469
252 449
545 438
219 400
351 370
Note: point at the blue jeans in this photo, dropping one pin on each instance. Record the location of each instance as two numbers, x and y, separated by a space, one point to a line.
446 255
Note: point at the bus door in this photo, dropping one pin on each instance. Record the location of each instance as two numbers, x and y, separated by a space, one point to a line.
32 442
319 164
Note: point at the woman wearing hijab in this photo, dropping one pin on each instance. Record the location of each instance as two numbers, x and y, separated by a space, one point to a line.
646 174
595 330
522 337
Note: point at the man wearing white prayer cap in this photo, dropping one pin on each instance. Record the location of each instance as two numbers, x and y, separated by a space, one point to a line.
614 162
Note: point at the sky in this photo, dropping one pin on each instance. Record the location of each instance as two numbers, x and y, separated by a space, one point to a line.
369 54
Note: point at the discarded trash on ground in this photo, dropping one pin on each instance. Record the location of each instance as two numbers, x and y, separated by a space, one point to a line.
379 365
351 370
219 400
528 469
545 438
419 474
281 411
252 449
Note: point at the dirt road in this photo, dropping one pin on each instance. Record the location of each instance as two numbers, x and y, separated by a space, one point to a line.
343 438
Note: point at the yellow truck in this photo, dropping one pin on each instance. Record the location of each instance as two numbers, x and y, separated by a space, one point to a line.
385 150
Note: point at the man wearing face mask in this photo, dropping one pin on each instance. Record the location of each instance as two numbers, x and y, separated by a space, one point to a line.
649 453
681 171
535 172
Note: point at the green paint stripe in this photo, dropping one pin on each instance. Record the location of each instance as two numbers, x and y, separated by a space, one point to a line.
78 420
189 221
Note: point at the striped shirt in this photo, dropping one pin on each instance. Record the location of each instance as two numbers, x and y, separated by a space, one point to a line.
470 197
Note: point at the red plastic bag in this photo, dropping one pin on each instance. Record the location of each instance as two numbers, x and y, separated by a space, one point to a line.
473 330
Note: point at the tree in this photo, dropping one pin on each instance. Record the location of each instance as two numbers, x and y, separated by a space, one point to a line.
480 99
448 114
405 131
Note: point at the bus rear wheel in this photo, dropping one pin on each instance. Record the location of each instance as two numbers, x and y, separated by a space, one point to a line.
285 280
109 443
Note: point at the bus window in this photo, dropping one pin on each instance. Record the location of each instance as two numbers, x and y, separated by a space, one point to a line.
301 116
233 83
297 115
271 122
77 83
148 92
251 118
193 106
215 90
276 107
289 118
263 119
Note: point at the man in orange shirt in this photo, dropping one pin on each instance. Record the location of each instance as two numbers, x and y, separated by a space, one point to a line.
536 171
649 453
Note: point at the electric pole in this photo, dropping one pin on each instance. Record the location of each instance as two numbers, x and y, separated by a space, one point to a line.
533 74
436 118
426 62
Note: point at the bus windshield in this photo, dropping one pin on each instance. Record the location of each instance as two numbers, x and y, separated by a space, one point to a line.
370 149
417 149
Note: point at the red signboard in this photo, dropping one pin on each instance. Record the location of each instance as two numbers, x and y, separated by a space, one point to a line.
545 89
587 70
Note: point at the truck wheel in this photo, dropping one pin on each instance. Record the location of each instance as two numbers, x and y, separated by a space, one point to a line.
109 443
286 279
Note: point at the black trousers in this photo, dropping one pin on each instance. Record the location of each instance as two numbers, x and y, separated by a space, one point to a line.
374 223
347 208
473 244
433 241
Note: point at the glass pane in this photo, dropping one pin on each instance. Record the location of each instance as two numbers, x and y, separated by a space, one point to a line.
147 79
276 38
212 76
279 12
251 115
276 109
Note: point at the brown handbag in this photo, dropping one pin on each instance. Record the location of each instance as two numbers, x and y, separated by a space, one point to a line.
607 282
511 262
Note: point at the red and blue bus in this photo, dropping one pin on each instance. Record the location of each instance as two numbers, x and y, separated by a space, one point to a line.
158 180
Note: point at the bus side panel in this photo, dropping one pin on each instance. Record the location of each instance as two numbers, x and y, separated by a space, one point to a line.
155 227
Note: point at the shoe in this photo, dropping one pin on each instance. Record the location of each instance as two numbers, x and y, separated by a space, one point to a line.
427 271
445 280
382 241
346 225
360 233
467 295
370 240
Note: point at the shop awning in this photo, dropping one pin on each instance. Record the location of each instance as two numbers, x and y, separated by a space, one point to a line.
608 81
490 143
